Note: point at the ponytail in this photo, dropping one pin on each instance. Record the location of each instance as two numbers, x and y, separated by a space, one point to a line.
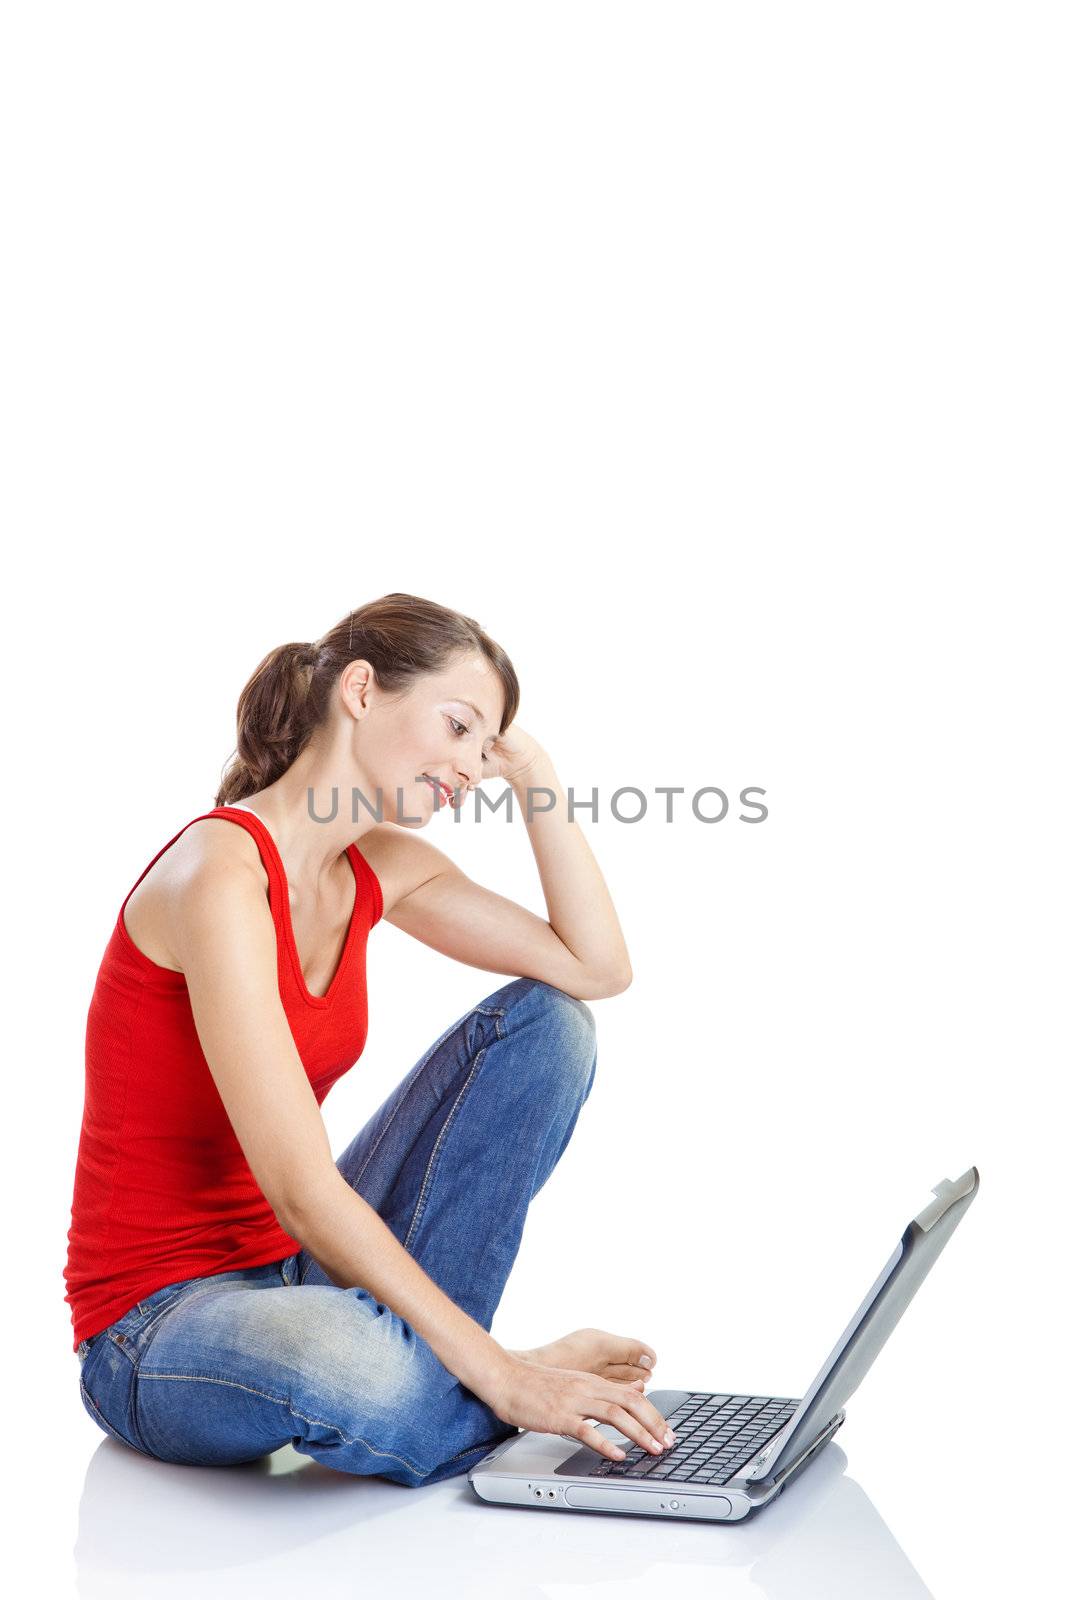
272 727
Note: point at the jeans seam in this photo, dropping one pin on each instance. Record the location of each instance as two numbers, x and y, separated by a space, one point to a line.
102 1422
461 1096
486 1011
136 1344
136 1439
485 1443
319 1422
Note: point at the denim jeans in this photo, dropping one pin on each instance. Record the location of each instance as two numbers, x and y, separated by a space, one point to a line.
227 1368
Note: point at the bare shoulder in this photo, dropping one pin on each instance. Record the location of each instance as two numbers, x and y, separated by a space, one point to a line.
208 855
401 860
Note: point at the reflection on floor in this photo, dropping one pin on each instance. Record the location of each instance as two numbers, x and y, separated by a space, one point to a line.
286 1526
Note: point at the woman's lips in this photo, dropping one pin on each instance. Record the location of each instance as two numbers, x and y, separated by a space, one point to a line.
439 783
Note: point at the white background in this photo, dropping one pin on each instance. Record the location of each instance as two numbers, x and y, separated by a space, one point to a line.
712 358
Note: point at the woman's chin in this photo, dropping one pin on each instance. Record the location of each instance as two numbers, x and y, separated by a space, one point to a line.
417 813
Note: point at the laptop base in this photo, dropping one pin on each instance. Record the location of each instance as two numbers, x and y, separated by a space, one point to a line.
524 1471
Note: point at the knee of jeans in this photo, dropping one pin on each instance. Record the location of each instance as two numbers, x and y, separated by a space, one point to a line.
567 1030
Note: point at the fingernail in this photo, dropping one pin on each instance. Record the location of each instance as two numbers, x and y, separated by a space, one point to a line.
645 1361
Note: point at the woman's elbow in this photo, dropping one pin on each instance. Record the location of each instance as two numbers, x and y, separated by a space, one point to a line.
600 988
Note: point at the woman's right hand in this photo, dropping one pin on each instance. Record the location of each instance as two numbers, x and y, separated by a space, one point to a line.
557 1400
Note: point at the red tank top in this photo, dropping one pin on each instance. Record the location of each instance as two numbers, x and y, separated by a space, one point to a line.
162 1190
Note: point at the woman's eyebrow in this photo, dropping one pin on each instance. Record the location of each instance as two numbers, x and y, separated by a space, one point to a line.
477 713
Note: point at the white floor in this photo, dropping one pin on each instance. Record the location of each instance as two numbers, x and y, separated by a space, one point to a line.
288 1526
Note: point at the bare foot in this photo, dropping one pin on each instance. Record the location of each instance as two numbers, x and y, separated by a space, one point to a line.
609 1355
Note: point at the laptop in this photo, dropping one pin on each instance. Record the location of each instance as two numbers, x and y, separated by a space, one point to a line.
733 1453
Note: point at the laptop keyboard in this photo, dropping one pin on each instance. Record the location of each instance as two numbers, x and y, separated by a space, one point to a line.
715 1434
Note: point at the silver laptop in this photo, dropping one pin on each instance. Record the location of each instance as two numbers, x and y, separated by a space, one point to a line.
733 1452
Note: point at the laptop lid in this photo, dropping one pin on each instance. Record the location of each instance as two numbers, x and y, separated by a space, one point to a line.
922 1242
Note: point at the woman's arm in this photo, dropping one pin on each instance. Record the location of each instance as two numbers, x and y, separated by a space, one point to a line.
579 949
220 926
580 909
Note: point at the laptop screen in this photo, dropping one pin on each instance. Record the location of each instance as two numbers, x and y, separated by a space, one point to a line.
881 1310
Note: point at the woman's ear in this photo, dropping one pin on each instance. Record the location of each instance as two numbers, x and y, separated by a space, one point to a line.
358 684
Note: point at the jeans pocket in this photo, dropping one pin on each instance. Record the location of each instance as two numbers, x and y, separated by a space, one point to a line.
109 1372
107 1383
134 1329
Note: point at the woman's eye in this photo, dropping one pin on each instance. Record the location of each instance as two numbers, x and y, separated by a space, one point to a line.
457 727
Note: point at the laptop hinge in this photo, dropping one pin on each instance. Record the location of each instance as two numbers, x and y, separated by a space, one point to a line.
823 1438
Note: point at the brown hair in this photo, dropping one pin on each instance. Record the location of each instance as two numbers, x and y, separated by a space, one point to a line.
288 696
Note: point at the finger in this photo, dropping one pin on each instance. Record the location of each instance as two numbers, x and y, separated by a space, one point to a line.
637 1417
625 1374
646 1413
587 1433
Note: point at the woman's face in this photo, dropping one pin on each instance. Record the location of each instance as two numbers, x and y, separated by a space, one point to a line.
441 728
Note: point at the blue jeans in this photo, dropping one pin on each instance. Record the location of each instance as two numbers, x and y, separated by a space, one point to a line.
227 1368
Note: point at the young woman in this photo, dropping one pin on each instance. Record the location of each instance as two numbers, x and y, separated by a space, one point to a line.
232 1289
